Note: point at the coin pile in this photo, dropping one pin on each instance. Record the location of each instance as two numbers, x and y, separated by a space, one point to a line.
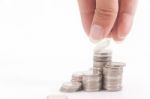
91 81
113 76
77 77
71 86
104 74
102 58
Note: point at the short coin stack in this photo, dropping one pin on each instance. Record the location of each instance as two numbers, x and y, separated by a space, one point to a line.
104 74
71 87
77 77
91 81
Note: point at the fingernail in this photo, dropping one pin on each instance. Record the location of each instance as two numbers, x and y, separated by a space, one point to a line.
124 26
96 33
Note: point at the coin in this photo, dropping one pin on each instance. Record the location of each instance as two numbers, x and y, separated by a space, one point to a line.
91 81
71 87
77 76
116 65
103 44
104 74
102 58
113 88
113 76
92 85
97 70
90 76
100 64
112 72
103 52
112 82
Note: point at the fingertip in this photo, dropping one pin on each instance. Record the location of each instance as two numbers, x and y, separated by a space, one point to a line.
123 27
96 32
117 39
104 19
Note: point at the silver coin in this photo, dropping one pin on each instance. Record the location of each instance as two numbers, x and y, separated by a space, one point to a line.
97 58
112 83
116 65
92 85
93 77
103 52
77 77
71 87
110 69
90 74
103 44
113 88
113 77
97 70
91 81
112 74
102 60
102 57
91 90
116 68
101 64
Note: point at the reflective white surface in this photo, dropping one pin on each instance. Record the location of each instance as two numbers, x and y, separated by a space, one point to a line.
42 43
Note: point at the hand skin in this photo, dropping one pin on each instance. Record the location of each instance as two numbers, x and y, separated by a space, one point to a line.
107 18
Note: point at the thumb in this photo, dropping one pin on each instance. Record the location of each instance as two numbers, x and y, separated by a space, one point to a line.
104 18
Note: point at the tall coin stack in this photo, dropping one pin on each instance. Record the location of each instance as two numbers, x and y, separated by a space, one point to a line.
113 76
101 58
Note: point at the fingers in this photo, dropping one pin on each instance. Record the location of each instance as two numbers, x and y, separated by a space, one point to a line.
87 8
99 23
124 20
104 18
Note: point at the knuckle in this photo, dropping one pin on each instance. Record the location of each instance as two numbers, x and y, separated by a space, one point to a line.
106 12
128 12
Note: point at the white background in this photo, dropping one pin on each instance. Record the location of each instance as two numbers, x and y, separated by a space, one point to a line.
42 43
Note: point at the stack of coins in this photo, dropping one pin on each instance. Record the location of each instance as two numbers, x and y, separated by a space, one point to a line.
71 87
91 82
113 76
104 74
74 85
101 58
77 77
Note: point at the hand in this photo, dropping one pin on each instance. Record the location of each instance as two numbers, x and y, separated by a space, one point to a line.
107 18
